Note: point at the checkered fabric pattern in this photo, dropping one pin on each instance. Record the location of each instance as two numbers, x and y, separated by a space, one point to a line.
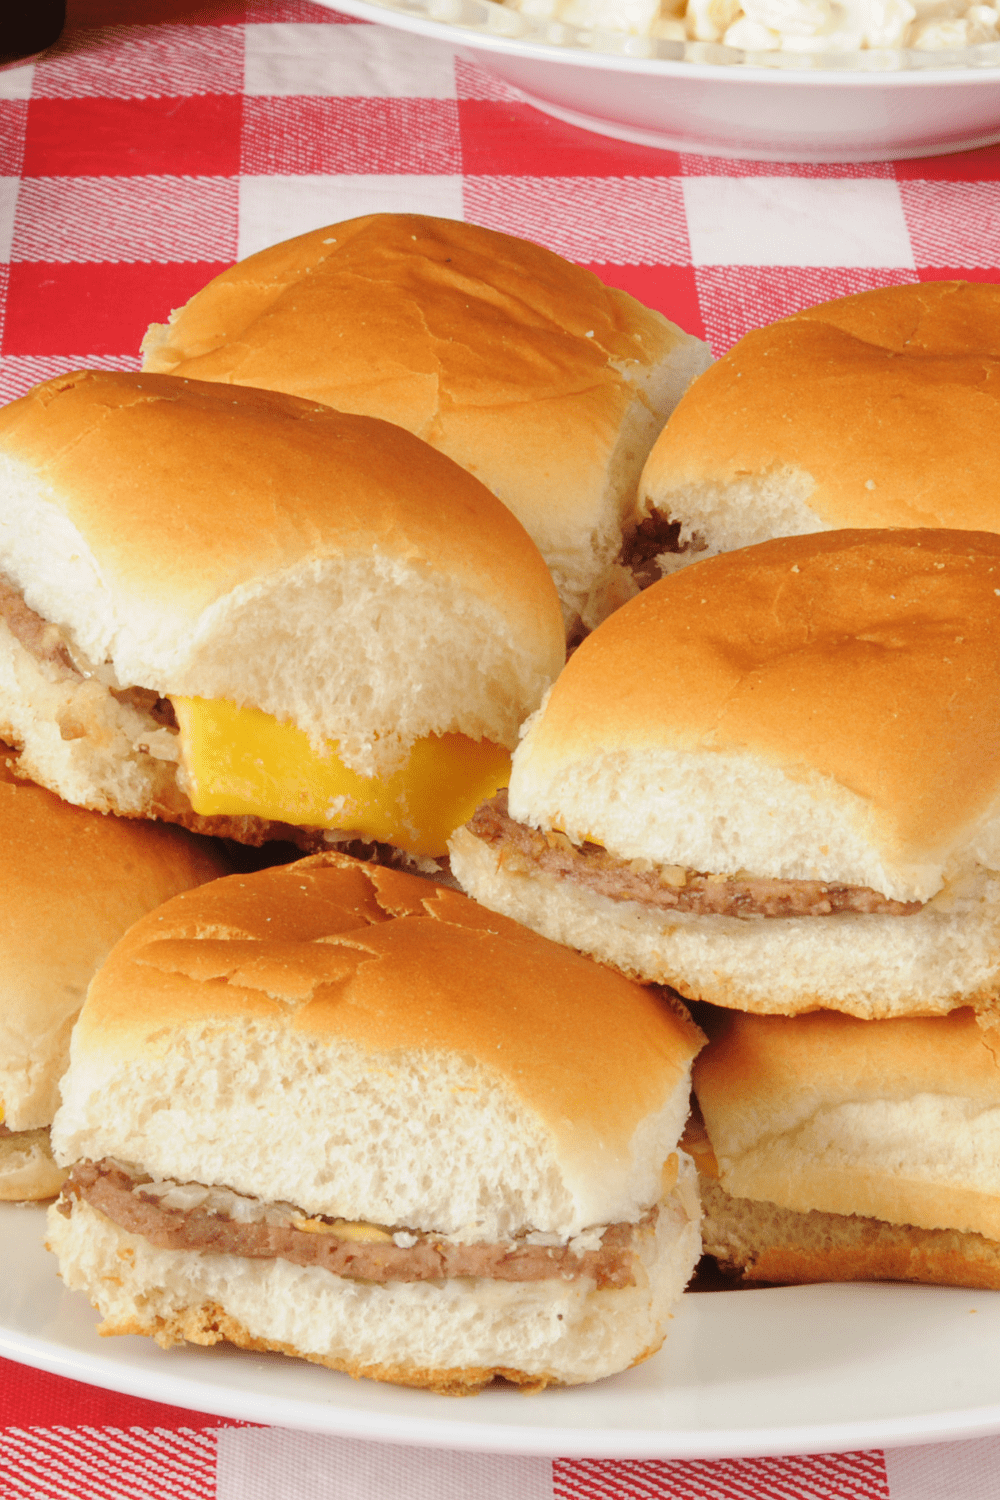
63 1441
163 139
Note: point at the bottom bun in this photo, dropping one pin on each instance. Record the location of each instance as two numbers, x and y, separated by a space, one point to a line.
27 1170
450 1336
945 956
765 1243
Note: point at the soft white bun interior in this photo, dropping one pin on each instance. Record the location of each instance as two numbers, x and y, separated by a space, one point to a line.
772 1244
27 1171
450 1335
361 1043
894 1119
421 1139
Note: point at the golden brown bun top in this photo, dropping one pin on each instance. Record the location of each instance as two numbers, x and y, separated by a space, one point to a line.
524 368
778 1068
55 857
337 949
485 318
869 657
71 884
192 490
890 399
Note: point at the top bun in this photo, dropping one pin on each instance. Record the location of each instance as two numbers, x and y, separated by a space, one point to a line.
361 1043
71 884
547 385
815 708
242 545
881 409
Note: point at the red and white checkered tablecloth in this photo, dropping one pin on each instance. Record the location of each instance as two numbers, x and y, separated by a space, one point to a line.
63 1441
161 140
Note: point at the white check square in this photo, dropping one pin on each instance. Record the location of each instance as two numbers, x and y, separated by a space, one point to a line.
255 1464
15 83
8 207
276 208
348 62
796 221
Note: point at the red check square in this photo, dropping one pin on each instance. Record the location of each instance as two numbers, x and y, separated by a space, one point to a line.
961 166
197 137
80 310
671 290
34 1398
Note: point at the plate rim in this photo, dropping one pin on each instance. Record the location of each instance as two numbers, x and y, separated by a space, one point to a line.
266 1404
743 75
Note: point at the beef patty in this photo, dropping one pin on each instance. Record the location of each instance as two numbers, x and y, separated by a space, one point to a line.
669 887
226 1223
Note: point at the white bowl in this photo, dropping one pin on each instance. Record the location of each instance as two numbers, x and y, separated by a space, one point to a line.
714 100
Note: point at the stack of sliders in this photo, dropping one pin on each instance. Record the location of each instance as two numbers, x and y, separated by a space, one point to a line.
772 781
527 370
71 884
879 409
337 1111
258 617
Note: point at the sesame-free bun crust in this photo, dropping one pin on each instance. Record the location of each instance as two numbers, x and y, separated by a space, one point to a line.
547 385
812 708
237 544
896 1120
880 409
354 1040
765 1243
71 884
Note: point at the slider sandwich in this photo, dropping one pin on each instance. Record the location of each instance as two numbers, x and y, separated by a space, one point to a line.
71 883
332 1110
844 1150
527 370
772 781
880 409
259 617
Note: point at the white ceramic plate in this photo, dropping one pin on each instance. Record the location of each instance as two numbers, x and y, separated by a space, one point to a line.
789 1370
713 100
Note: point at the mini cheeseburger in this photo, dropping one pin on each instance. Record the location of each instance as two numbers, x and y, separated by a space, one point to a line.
332 1110
527 370
880 409
71 883
259 617
772 781
844 1150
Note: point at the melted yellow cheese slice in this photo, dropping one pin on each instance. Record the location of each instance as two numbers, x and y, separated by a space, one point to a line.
241 761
